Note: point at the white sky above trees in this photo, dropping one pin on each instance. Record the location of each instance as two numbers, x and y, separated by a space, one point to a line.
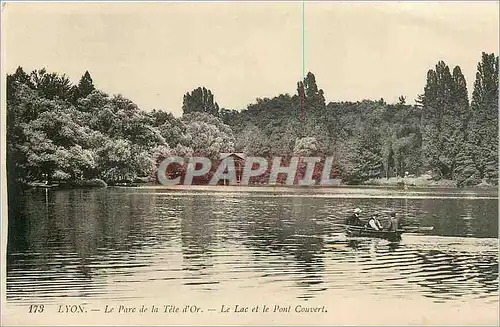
153 53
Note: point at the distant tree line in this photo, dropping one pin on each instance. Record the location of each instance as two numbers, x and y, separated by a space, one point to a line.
58 131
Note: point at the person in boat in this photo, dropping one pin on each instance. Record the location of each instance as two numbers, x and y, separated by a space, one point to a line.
393 224
374 223
354 220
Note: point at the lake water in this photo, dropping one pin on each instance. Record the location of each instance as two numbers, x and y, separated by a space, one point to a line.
134 244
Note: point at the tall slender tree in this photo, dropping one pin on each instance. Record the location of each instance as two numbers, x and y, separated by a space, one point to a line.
455 120
445 114
313 96
483 130
434 101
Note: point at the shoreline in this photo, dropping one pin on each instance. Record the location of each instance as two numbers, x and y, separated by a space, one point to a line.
342 191
393 183
274 188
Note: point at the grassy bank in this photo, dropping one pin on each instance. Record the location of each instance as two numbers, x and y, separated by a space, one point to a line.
420 181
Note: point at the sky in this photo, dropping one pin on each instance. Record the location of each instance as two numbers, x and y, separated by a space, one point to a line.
153 53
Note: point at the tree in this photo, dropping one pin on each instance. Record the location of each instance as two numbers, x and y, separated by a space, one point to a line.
51 85
75 163
17 79
38 155
483 129
433 102
84 87
362 157
228 116
116 161
139 131
454 124
200 100
312 97
52 135
445 114
207 135
466 173
306 146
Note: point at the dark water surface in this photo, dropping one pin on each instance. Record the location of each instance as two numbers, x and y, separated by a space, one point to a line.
140 243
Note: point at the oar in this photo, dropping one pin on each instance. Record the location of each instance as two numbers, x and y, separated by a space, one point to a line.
416 229
342 225
406 229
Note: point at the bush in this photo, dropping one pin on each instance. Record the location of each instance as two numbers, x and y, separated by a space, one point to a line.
60 176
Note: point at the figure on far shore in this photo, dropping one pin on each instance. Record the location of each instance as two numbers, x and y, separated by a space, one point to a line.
354 220
394 223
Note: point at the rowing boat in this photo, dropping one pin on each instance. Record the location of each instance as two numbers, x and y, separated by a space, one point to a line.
359 231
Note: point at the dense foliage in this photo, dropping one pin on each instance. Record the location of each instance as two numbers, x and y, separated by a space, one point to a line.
65 132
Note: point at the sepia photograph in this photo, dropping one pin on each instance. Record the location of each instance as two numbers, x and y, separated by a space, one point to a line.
249 163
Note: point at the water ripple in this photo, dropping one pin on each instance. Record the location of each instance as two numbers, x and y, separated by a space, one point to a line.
118 245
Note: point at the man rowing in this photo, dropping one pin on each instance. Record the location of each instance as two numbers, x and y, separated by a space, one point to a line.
353 219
